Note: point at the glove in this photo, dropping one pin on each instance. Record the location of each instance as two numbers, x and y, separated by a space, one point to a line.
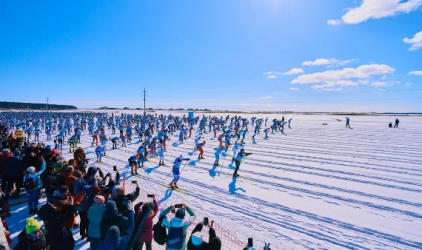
267 246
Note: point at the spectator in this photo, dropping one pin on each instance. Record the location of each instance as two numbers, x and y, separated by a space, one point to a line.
95 214
34 193
177 227
83 208
3 238
60 197
122 198
112 217
197 243
4 204
114 241
32 237
59 236
146 235
14 172
67 178
81 185
48 180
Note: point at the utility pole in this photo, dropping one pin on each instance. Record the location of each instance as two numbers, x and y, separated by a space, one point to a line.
145 92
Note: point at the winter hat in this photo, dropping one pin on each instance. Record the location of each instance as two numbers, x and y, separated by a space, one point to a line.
111 183
95 190
215 244
99 199
53 152
31 170
197 238
48 147
32 225
113 233
110 210
62 189
180 213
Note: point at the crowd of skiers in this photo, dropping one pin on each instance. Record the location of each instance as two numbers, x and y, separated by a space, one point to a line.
109 219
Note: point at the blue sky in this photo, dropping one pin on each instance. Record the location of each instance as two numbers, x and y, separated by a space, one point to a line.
339 55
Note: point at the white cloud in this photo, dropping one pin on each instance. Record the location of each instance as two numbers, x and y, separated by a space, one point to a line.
384 77
323 61
294 71
334 22
363 71
294 88
416 73
408 84
416 41
271 76
379 84
376 9
267 97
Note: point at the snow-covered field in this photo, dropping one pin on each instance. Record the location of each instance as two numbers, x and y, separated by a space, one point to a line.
314 187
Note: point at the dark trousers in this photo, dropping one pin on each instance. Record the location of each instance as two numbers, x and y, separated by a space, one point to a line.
396 125
18 180
237 167
140 245
84 223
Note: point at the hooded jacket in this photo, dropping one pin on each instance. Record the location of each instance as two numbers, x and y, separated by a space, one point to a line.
59 237
36 176
13 167
80 185
95 215
121 242
111 213
176 222
26 243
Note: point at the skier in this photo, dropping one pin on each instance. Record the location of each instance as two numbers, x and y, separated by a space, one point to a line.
239 157
161 155
176 171
114 140
133 164
347 122
396 125
94 138
235 148
217 157
201 151
98 152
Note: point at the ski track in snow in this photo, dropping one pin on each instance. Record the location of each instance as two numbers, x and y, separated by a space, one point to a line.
312 187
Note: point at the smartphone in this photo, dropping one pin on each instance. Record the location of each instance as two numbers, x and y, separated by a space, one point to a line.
250 242
206 221
178 206
114 168
135 182
150 196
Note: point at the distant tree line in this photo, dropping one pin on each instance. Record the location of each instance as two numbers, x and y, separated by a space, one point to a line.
39 106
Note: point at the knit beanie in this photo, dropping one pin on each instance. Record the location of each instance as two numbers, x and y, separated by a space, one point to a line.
62 189
113 233
95 190
180 213
197 238
32 225
99 199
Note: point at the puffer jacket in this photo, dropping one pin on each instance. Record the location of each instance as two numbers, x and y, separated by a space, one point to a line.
26 243
80 185
36 176
95 215
176 222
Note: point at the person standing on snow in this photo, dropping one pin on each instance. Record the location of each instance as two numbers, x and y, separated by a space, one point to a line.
347 122
176 171
396 125
239 157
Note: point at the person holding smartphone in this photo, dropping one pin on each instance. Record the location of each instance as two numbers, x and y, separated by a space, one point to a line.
146 235
196 241
178 226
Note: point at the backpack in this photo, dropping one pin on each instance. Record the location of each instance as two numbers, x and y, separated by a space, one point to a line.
29 184
105 224
160 232
175 238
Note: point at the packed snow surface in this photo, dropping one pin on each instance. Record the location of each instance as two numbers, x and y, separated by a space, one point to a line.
314 187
